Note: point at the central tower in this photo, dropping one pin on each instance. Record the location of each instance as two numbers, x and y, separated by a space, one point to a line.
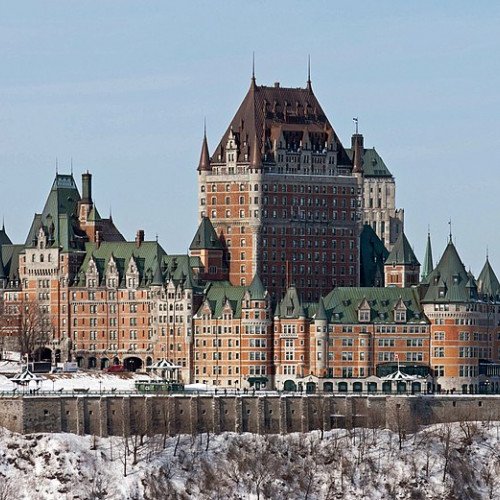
280 193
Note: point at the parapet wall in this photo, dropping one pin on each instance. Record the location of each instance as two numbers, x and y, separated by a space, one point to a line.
269 414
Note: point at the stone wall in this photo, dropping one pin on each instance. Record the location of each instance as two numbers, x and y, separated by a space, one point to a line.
270 414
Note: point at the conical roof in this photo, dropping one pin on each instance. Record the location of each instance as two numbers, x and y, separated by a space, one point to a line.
428 266
487 281
206 238
321 312
158 275
402 253
448 281
204 157
4 238
256 289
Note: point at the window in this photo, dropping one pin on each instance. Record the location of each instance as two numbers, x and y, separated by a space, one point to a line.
439 352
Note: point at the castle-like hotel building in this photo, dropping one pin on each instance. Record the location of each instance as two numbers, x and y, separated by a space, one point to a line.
299 276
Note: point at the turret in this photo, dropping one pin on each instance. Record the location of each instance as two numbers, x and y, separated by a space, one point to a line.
401 267
204 157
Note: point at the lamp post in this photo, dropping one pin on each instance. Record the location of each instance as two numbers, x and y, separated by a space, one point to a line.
100 386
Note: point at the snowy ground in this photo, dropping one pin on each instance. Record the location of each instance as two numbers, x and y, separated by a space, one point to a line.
458 461
94 381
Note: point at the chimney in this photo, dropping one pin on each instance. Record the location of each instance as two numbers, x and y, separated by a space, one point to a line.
87 186
139 237
357 145
98 239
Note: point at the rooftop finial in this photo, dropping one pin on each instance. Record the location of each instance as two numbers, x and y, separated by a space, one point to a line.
253 68
204 126
309 86
71 165
451 234
57 166
355 120
487 253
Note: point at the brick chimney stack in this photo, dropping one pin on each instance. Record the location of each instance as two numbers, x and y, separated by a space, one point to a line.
139 237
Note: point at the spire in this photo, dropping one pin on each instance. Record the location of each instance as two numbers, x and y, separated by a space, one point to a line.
204 157
256 157
428 265
309 85
253 70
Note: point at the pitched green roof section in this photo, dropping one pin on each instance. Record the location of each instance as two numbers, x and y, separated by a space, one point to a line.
121 253
372 256
290 306
4 238
428 266
402 252
206 238
342 304
59 217
256 289
448 281
320 314
372 163
487 281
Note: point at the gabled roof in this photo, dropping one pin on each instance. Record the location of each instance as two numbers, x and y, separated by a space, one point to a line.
487 281
402 252
206 238
448 281
268 113
290 306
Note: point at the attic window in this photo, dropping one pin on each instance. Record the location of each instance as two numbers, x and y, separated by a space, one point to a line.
364 315
400 316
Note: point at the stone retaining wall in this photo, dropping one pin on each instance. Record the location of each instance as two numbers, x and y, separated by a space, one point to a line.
269 414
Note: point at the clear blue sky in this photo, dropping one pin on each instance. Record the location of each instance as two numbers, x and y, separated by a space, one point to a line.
122 88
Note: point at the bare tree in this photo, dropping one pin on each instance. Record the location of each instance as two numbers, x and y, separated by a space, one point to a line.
35 328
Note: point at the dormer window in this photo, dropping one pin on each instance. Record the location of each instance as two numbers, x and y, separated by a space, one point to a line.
400 316
364 315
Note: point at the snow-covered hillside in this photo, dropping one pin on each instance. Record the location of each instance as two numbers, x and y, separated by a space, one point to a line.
457 461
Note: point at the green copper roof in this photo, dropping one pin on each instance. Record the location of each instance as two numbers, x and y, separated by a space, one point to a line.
372 257
402 253
373 164
342 304
290 306
4 238
428 266
487 281
206 238
9 256
448 281
320 312
256 289
220 293
59 217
